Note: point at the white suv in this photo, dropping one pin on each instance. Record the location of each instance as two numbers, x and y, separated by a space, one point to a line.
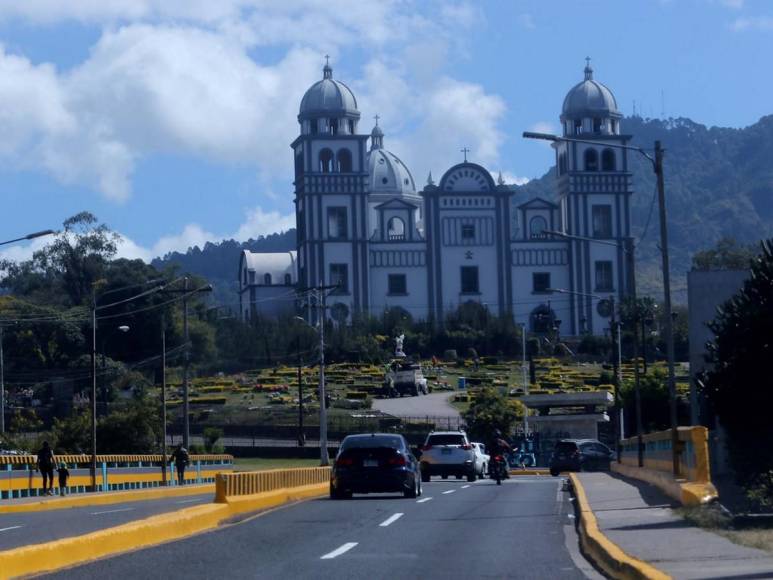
481 459
447 453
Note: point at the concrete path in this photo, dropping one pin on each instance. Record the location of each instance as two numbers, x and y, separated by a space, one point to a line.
432 405
638 518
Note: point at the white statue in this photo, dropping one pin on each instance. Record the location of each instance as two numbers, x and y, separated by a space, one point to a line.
399 346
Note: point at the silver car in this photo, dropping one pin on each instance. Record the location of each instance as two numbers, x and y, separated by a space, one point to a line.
481 459
447 453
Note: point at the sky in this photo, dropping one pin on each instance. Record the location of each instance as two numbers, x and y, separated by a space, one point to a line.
171 120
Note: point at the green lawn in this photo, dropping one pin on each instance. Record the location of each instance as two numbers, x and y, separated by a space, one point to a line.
259 464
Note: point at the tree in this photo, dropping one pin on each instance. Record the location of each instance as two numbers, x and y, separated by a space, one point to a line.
727 254
738 387
491 411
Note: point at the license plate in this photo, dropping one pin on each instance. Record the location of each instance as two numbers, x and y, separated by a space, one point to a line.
370 463
445 452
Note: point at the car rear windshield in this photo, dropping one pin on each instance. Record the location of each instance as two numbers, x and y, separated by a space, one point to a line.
446 440
372 442
566 446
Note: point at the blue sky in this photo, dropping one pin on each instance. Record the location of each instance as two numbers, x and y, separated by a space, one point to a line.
171 120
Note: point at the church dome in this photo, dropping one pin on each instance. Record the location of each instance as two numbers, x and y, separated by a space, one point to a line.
589 99
388 174
328 97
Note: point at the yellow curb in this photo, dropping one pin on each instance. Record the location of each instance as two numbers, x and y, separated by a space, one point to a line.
608 555
688 493
530 471
151 531
106 498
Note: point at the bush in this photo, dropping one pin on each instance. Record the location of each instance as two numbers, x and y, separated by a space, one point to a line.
211 436
760 492
450 355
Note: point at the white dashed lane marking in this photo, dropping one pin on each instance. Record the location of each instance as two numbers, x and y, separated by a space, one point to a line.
111 511
449 491
391 519
426 499
465 486
8 529
338 551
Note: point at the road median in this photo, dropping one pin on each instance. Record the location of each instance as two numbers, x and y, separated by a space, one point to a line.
247 493
601 550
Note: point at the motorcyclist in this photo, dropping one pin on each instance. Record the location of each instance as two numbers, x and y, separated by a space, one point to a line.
499 446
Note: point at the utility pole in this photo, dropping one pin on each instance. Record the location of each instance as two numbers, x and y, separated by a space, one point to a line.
668 322
324 460
301 435
163 398
637 389
524 378
94 388
2 385
186 369
616 369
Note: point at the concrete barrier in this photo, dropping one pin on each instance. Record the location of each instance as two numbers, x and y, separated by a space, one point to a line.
604 552
19 477
240 493
693 484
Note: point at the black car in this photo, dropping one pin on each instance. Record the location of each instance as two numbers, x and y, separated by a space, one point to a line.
375 463
580 455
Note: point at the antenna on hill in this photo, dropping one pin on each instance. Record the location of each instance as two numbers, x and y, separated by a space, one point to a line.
662 104
634 107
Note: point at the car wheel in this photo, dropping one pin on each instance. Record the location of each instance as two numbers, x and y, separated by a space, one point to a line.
412 492
419 493
334 493
425 476
472 477
444 476
554 472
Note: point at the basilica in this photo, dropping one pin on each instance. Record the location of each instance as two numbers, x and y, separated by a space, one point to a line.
377 241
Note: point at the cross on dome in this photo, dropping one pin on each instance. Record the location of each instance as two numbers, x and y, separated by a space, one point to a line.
376 117
465 151
588 69
327 71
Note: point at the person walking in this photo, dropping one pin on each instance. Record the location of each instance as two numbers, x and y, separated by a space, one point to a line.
46 464
181 460
64 475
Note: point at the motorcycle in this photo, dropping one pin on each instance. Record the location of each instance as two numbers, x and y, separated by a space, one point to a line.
498 469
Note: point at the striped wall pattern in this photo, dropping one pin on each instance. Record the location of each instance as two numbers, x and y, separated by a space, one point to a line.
540 257
451 231
238 484
693 457
404 258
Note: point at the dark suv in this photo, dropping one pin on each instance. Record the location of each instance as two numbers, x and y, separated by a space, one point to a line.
580 455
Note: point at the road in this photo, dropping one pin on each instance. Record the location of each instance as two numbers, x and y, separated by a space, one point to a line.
522 529
21 529
432 405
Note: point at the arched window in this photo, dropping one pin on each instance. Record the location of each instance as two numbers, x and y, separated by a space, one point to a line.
344 159
288 280
396 229
597 125
607 160
313 125
267 279
351 126
298 164
333 126
591 158
537 227
577 126
561 163
326 161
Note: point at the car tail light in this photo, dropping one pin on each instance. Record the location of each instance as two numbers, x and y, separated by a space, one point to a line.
498 458
396 460
467 446
344 462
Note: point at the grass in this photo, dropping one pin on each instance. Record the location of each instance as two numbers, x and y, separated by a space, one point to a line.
711 518
261 464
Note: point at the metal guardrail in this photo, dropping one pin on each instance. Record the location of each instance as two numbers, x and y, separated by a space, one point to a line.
83 459
248 483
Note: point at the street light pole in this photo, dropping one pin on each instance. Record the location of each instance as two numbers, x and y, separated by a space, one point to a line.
524 378
301 435
163 399
2 385
324 460
94 388
657 166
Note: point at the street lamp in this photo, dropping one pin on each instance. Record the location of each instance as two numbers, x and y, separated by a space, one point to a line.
301 435
29 237
657 166
124 329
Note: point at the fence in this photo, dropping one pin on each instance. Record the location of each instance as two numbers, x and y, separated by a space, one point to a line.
19 476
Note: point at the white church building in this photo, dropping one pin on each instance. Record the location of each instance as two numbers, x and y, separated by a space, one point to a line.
365 228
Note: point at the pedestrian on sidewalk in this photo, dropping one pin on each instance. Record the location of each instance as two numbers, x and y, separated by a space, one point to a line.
64 475
46 464
181 460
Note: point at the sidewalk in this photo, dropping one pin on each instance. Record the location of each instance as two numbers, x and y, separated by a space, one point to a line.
638 518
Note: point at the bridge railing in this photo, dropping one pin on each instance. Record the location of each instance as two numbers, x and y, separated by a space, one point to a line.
19 476
693 453
252 482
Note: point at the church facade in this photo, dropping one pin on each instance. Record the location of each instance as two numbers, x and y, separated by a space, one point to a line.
364 228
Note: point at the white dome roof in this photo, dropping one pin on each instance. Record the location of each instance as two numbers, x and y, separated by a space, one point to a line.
589 99
328 97
277 264
388 174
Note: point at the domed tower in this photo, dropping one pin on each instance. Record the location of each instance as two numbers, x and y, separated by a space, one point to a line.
331 180
390 182
594 185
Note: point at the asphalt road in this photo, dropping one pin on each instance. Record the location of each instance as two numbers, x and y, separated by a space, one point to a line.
433 405
37 527
522 529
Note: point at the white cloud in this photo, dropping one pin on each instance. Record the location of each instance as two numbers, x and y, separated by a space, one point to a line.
756 23
734 4
184 78
510 178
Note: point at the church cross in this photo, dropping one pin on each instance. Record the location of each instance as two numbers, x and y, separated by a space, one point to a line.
465 151
327 60
587 61
377 118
